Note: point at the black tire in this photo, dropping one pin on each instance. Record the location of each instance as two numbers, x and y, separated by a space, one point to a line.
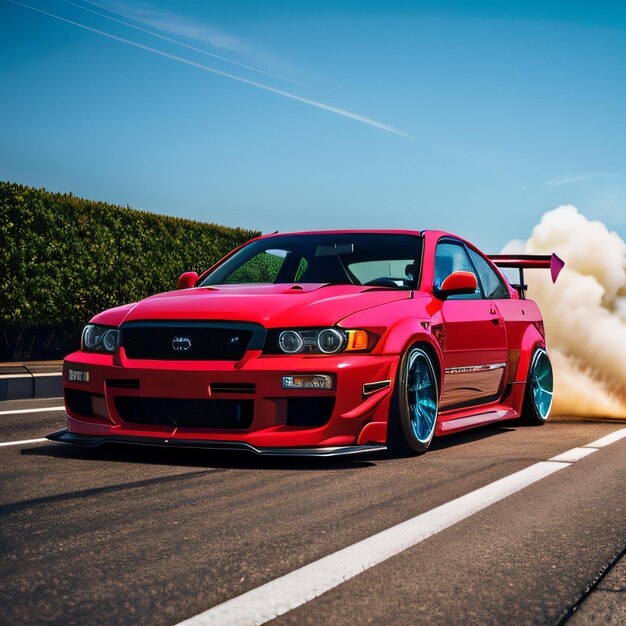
414 405
538 390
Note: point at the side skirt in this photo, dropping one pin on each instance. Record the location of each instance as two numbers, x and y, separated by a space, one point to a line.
478 417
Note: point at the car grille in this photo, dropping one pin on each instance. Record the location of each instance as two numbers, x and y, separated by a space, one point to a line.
184 342
185 413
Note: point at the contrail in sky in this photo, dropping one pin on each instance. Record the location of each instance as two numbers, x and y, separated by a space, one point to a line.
286 94
576 179
314 103
174 41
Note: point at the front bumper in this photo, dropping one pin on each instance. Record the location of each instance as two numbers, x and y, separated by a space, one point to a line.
91 441
114 382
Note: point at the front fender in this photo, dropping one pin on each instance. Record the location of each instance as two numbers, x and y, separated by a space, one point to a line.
404 334
407 322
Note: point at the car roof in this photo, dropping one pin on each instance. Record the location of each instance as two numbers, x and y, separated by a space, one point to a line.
345 232
430 234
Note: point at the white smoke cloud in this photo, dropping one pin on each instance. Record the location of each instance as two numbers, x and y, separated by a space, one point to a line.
584 312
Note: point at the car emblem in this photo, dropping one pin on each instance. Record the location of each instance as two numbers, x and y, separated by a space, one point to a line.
234 340
181 343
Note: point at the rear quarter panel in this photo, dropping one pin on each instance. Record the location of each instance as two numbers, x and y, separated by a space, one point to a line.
524 328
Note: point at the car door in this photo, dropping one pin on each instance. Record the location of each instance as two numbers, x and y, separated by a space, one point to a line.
517 314
475 337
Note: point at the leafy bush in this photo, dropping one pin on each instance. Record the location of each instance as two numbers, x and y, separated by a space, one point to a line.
63 259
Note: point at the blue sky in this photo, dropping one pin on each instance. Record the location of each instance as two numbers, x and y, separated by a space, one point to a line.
473 117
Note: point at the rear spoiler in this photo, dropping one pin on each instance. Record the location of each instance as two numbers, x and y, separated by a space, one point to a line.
529 261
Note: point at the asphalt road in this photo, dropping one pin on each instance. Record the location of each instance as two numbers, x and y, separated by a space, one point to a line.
125 535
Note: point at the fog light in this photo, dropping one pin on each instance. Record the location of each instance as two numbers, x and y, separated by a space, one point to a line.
308 381
77 376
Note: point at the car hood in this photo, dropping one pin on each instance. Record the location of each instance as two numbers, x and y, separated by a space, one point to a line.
273 306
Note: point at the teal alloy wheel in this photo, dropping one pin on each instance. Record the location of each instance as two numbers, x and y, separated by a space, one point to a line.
417 396
539 389
421 396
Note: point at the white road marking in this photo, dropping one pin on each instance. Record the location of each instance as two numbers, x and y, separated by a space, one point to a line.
276 597
23 442
288 592
36 375
42 410
573 455
605 441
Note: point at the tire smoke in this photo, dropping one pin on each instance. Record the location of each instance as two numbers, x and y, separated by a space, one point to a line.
584 312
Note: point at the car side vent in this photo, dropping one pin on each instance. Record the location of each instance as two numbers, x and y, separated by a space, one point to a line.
233 388
122 383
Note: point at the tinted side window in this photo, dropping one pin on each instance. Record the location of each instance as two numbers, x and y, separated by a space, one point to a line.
451 257
492 283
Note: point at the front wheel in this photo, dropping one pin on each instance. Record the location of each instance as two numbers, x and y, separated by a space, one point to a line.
413 415
539 389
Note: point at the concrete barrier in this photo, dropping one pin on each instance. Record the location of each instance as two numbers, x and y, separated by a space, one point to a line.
34 379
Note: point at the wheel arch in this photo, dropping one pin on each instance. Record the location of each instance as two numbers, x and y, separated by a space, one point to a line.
436 357
402 338
405 420
531 340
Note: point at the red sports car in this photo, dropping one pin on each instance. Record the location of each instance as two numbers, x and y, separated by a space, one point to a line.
318 344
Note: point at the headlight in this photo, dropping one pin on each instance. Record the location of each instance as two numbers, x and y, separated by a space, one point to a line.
290 341
317 341
98 338
330 340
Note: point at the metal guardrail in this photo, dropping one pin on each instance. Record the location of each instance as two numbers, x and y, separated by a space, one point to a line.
33 379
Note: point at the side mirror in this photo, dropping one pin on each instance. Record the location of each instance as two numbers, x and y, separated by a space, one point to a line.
458 283
186 280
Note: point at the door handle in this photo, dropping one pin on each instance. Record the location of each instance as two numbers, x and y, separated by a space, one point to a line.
494 311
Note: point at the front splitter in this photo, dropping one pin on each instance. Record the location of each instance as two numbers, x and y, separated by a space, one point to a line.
92 441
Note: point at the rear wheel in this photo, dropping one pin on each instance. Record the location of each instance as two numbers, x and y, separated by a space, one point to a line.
539 389
413 415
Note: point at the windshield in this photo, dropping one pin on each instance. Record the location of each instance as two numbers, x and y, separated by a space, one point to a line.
373 259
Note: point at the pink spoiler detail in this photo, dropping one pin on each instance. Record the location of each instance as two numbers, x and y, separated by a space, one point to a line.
531 261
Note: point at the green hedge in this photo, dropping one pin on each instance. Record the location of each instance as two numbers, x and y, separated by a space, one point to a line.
64 259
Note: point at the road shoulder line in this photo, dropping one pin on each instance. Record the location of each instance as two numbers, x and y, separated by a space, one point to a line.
42 410
23 442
